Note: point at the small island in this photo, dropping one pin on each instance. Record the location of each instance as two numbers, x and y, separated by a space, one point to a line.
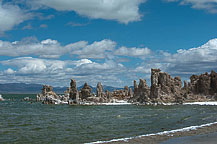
164 90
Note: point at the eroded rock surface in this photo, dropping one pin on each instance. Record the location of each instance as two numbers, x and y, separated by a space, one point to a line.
141 92
202 86
99 90
46 91
86 92
164 88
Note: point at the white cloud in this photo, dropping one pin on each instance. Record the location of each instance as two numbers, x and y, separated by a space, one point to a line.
9 71
53 49
59 73
210 5
204 53
123 11
10 16
29 65
97 50
194 60
82 61
134 52
31 46
185 62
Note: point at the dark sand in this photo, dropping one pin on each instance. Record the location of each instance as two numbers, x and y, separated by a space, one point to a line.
207 135
210 138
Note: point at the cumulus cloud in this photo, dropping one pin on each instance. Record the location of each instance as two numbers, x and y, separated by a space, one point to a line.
95 50
123 11
30 46
10 16
204 53
134 52
210 5
185 62
53 49
29 65
9 71
58 72
194 60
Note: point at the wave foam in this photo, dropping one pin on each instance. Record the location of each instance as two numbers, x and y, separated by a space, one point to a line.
154 134
201 103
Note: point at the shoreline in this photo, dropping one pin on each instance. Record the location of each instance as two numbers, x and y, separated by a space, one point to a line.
160 137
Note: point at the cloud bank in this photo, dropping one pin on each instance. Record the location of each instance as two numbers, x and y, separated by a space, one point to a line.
102 65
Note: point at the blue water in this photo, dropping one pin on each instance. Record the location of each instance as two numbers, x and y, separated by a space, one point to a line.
26 122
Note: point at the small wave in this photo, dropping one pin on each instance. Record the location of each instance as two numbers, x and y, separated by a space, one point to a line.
201 103
154 134
116 103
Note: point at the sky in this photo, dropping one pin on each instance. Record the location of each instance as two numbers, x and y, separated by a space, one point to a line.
108 41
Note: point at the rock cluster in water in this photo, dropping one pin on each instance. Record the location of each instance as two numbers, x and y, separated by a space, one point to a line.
48 96
1 98
164 89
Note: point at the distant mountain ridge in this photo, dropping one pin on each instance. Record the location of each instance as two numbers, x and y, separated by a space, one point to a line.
23 88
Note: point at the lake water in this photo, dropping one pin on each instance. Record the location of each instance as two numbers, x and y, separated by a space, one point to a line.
25 122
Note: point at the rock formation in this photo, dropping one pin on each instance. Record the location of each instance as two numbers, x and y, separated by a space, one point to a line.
99 90
130 93
73 92
48 96
122 94
202 86
46 91
205 84
86 92
1 98
108 94
27 99
164 88
141 92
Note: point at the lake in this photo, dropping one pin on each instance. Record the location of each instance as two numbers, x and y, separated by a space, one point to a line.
26 122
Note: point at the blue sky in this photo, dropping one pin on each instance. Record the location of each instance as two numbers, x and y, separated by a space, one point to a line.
112 41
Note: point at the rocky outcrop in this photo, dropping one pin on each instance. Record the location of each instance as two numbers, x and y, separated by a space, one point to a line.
1 98
108 94
141 92
164 88
86 92
28 99
99 90
130 93
204 85
122 94
48 96
46 91
73 93
213 84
